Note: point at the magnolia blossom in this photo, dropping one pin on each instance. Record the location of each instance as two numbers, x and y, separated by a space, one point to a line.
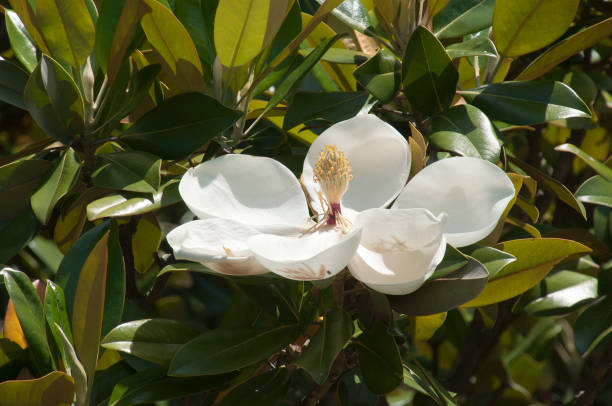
254 213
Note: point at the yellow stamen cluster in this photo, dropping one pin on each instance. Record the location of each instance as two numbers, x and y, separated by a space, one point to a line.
333 173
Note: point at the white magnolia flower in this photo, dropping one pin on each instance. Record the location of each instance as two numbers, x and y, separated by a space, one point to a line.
254 214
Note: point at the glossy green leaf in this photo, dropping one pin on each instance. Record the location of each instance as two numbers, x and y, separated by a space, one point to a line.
561 293
29 311
593 325
16 232
21 42
122 205
566 48
452 261
18 180
145 243
599 167
479 46
155 340
445 293
417 378
219 351
462 17
353 13
523 26
492 259
596 190
179 125
59 182
429 78
53 389
12 83
535 257
53 100
56 312
380 75
176 48
326 344
379 360
466 131
330 106
198 18
269 388
551 184
153 385
134 171
68 29
527 103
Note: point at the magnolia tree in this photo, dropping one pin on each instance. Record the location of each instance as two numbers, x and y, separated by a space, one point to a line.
257 202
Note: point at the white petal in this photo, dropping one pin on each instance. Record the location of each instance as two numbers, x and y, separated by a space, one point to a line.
378 154
248 189
472 192
400 249
312 256
217 243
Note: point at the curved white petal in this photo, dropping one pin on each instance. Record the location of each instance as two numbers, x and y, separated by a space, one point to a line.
251 190
312 256
378 154
472 192
217 243
399 249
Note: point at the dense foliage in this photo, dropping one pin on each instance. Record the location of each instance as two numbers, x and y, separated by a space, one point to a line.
108 103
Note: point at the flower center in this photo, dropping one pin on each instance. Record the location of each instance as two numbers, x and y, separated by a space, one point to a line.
333 173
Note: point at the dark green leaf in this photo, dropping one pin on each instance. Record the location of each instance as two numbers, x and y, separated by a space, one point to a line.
380 75
198 20
267 389
527 103
452 261
466 131
12 83
179 125
445 293
379 360
18 180
155 340
593 325
428 75
596 190
133 171
462 17
15 233
21 42
56 312
599 167
330 106
219 351
479 46
326 344
352 391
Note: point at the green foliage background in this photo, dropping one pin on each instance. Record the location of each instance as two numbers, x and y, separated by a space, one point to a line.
107 103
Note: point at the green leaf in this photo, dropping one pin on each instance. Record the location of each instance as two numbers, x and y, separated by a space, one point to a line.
155 340
330 106
466 131
429 78
593 325
524 26
180 125
74 367
219 351
462 17
53 100
417 378
145 243
597 166
492 259
452 261
527 103
379 360
535 257
479 46
558 294
122 205
551 184
326 344
68 29
12 84
380 75
269 388
57 185
566 48
53 389
353 13
172 41
29 311
21 42
134 171
56 312
18 180
352 391
198 19
596 190
15 233
445 293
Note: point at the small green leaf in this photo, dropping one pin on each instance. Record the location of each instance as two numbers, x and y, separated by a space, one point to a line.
429 78
57 185
12 84
53 389
219 351
330 106
596 190
179 125
379 360
466 131
599 167
155 340
479 46
326 344
134 171
527 103
21 42
462 17
380 75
